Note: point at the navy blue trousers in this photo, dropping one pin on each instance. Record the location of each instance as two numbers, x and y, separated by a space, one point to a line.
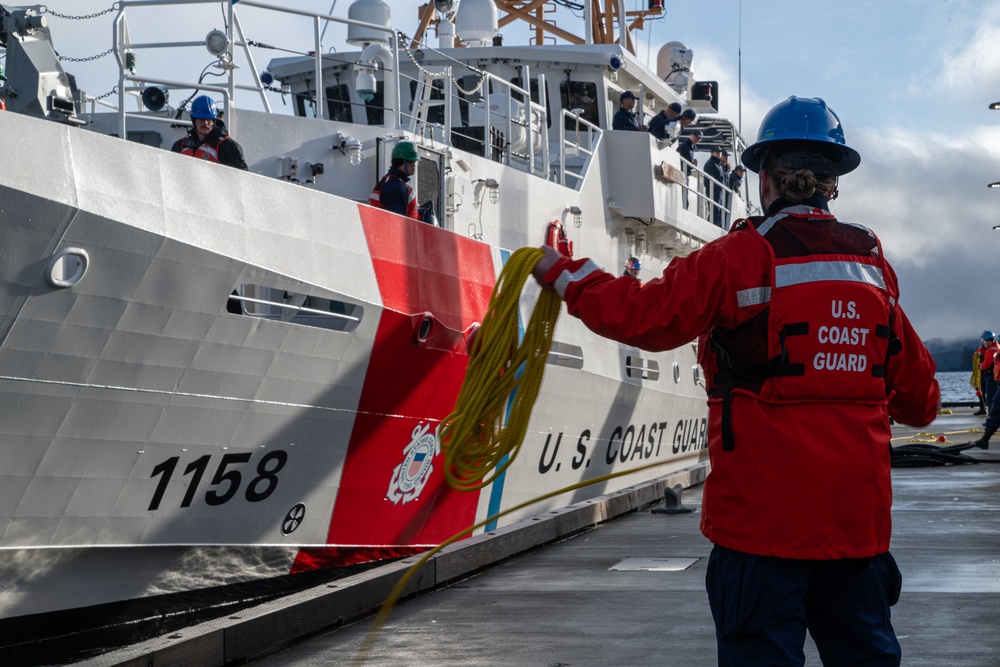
763 607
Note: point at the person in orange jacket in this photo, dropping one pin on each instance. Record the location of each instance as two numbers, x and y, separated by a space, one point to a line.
807 354
988 353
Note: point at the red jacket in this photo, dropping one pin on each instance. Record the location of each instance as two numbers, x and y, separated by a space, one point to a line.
806 471
989 358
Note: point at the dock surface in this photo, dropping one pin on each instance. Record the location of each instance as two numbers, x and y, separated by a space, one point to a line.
631 591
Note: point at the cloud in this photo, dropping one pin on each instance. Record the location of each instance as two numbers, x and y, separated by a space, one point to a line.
977 63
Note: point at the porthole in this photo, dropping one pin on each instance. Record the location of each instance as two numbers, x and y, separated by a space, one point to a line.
67 267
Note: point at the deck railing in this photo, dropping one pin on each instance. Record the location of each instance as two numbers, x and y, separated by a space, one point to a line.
506 112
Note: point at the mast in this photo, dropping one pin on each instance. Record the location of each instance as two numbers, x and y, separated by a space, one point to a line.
603 17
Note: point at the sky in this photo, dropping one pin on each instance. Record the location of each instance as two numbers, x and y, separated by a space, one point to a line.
911 80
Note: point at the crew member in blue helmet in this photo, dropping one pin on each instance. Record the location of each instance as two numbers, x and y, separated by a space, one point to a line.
632 267
208 139
807 354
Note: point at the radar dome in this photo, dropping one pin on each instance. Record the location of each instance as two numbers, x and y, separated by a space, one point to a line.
369 11
477 21
673 65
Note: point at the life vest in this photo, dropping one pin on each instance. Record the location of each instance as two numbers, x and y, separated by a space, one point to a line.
824 335
202 151
375 198
3 105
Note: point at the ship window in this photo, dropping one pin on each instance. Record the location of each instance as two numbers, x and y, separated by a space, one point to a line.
643 369
534 96
435 112
564 354
305 105
579 95
338 101
280 305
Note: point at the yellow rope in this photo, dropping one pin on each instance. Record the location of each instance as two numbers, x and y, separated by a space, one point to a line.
478 443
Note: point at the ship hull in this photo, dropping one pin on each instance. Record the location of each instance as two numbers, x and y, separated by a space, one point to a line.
245 377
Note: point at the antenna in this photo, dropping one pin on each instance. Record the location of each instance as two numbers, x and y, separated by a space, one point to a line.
739 74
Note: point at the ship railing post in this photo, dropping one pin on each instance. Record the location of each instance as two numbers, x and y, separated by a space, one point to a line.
392 91
253 65
529 116
510 126
562 148
544 105
318 64
120 36
231 76
448 100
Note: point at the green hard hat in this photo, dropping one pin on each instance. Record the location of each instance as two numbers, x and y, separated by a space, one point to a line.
405 150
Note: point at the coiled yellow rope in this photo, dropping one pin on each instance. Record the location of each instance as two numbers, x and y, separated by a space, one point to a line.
478 443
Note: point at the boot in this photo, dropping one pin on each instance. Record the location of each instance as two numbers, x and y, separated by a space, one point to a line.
984 442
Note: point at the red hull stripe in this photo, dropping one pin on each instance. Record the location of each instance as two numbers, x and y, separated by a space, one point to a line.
432 278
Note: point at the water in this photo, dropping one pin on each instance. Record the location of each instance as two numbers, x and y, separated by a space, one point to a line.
955 387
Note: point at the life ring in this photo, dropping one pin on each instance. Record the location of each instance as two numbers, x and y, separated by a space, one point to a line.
555 237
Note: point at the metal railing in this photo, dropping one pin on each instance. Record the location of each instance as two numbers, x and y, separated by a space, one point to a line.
705 205
576 147
500 113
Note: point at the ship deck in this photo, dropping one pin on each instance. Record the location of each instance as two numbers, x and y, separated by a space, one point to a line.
628 591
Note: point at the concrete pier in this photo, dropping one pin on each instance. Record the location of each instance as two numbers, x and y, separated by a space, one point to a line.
628 591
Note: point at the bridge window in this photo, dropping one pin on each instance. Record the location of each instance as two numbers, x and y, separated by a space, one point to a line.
580 95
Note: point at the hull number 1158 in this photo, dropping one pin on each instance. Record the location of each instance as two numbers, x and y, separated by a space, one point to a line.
227 478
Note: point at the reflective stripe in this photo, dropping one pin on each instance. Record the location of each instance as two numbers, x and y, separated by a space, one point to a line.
796 274
753 296
565 278
800 210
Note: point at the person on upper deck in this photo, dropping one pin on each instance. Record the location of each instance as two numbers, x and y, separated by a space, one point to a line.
686 149
208 138
807 354
736 177
393 192
664 125
625 118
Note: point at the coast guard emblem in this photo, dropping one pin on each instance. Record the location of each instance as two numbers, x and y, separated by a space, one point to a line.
410 476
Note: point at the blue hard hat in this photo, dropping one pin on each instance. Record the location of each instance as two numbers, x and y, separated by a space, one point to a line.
987 335
203 106
803 119
633 263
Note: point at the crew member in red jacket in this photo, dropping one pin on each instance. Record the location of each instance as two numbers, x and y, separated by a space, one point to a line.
988 352
807 353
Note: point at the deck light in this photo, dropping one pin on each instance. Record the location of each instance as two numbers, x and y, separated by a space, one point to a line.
350 147
577 215
494 188
217 43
